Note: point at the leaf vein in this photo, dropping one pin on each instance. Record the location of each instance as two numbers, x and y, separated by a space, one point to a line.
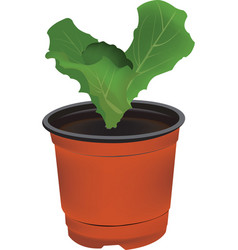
160 35
109 85
153 32
77 49
161 16
171 38
68 47
155 66
139 34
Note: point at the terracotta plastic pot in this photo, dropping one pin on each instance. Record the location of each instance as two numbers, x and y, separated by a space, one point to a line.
115 185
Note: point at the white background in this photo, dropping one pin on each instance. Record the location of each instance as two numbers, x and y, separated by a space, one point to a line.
204 210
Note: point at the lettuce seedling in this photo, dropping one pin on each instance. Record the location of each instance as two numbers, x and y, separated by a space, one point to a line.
111 77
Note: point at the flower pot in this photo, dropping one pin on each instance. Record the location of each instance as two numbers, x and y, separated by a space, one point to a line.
115 185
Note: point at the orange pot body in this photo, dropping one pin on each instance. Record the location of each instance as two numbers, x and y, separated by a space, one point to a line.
116 193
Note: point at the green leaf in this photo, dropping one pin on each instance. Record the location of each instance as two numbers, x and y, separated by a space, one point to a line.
66 38
160 41
107 83
96 51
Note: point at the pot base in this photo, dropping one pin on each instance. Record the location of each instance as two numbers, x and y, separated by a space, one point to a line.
127 236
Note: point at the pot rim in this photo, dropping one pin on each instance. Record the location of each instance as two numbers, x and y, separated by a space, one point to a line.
115 139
